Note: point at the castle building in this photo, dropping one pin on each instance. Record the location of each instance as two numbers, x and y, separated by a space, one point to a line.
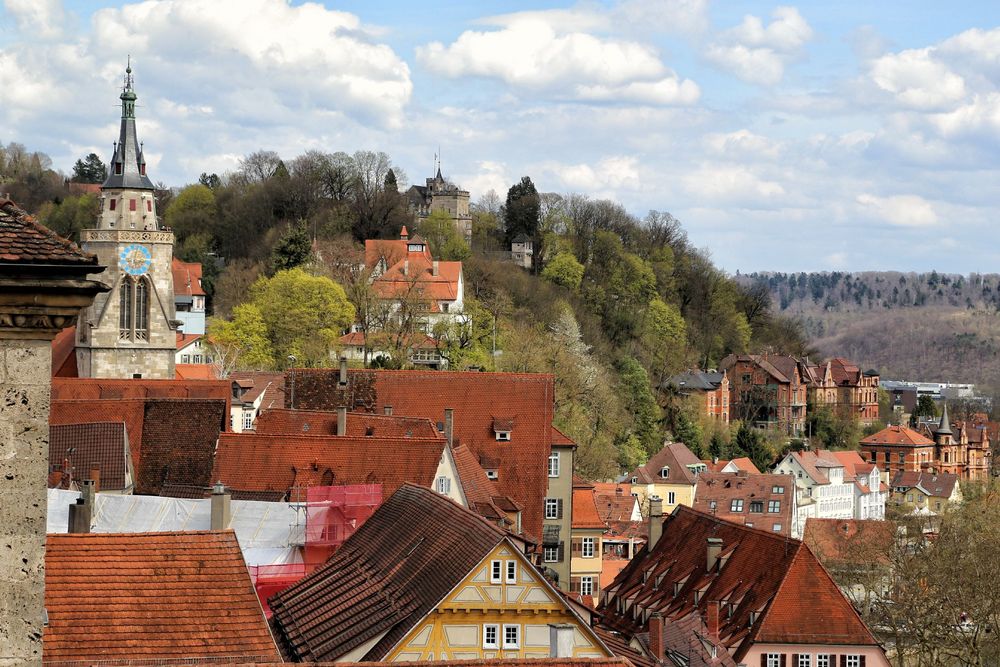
130 331
440 195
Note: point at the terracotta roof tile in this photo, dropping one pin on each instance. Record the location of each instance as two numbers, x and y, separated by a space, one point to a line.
480 491
187 278
90 388
897 435
281 463
747 499
620 661
845 542
940 485
151 596
391 572
760 572
178 442
585 514
359 424
675 456
476 398
129 412
63 353
94 445
23 240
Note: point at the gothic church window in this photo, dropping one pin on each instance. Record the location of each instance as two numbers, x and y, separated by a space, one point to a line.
133 309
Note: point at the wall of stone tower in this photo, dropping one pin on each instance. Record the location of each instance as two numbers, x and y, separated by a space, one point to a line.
100 351
456 204
141 215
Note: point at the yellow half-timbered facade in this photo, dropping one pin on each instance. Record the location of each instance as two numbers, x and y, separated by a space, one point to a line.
502 609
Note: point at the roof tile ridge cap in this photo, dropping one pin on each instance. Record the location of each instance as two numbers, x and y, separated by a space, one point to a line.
440 498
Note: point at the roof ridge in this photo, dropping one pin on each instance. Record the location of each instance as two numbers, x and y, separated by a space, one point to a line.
740 526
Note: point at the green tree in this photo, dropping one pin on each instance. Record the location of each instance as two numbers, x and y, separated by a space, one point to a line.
438 229
241 343
304 314
750 442
193 210
925 408
663 338
90 169
69 216
639 402
564 270
292 250
390 181
522 212
833 429
210 181
688 431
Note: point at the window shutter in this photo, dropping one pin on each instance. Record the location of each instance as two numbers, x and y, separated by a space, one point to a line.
576 546
795 660
843 661
783 660
763 660
574 584
862 661
562 551
559 510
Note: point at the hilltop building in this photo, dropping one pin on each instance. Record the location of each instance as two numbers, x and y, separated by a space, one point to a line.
441 195
129 332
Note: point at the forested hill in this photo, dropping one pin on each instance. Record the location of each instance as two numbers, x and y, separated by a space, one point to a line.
927 326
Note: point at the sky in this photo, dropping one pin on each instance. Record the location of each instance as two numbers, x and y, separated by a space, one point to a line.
815 136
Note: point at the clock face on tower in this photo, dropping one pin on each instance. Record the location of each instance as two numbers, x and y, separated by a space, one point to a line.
135 259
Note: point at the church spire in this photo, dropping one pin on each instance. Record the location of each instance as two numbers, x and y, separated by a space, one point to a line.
128 166
944 427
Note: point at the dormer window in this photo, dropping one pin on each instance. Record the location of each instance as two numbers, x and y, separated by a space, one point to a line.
635 480
492 474
502 428
118 168
665 472
415 247
503 436
142 168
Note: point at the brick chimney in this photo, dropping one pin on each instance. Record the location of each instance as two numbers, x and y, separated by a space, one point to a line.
435 268
561 640
95 477
220 507
387 410
406 267
713 548
655 521
449 424
341 420
656 637
712 620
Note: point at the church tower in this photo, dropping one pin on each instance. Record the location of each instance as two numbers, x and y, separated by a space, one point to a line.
130 331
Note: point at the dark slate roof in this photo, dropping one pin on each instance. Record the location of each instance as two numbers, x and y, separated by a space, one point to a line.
85 446
703 380
24 241
521 238
387 576
178 442
944 426
128 150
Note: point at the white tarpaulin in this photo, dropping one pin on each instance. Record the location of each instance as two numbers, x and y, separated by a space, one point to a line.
269 533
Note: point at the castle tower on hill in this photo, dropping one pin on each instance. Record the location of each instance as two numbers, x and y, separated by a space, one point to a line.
440 195
130 331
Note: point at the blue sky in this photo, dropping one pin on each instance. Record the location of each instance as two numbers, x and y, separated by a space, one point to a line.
807 136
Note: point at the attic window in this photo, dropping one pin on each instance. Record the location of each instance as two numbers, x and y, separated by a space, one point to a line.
118 168
492 474
415 247
665 472
503 436
635 480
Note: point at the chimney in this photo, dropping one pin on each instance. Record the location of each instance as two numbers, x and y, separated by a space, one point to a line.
712 622
342 420
436 268
220 507
387 410
95 477
79 517
712 551
88 494
343 372
406 267
655 521
561 640
656 638
449 424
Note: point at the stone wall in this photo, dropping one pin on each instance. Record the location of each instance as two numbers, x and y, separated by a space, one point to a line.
25 371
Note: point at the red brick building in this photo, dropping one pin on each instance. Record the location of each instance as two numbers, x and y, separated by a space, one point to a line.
898 448
768 391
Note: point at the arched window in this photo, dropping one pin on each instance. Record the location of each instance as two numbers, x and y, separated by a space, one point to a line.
141 317
125 309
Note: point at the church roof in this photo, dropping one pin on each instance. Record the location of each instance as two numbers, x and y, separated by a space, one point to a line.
128 166
944 427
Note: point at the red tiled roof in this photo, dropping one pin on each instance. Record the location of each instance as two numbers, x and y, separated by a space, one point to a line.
622 660
90 388
257 382
387 576
179 439
476 398
151 596
717 490
759 572
416 341
88 446
64 354
561 439
257 462
480 491
897 435
853 464
939 485
25 241
585 514
195 372
359 424
838 542
677 457
183 339
742 463
128 412
187 278
418 267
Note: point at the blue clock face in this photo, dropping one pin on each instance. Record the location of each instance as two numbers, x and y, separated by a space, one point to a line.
135 259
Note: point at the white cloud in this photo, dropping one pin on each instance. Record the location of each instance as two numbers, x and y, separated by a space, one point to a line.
758 53
743 143
42 19
899 210
488 175
732 184
682 17
918 80
608 175
536 52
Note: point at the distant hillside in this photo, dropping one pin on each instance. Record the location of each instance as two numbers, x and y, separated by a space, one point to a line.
928 326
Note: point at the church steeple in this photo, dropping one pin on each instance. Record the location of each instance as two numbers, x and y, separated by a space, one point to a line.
944 426
128 166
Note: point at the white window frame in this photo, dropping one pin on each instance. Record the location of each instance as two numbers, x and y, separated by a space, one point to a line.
773 660
586 542
554 464
247 420
495 644
496 571
823 660
853 660
776 505
805 660
443 485
736 505
503 436
550 554
671 498
586 585
552 503
516 643
776 528
510 572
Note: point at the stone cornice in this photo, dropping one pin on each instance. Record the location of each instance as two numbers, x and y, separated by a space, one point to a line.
126 236
39 308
